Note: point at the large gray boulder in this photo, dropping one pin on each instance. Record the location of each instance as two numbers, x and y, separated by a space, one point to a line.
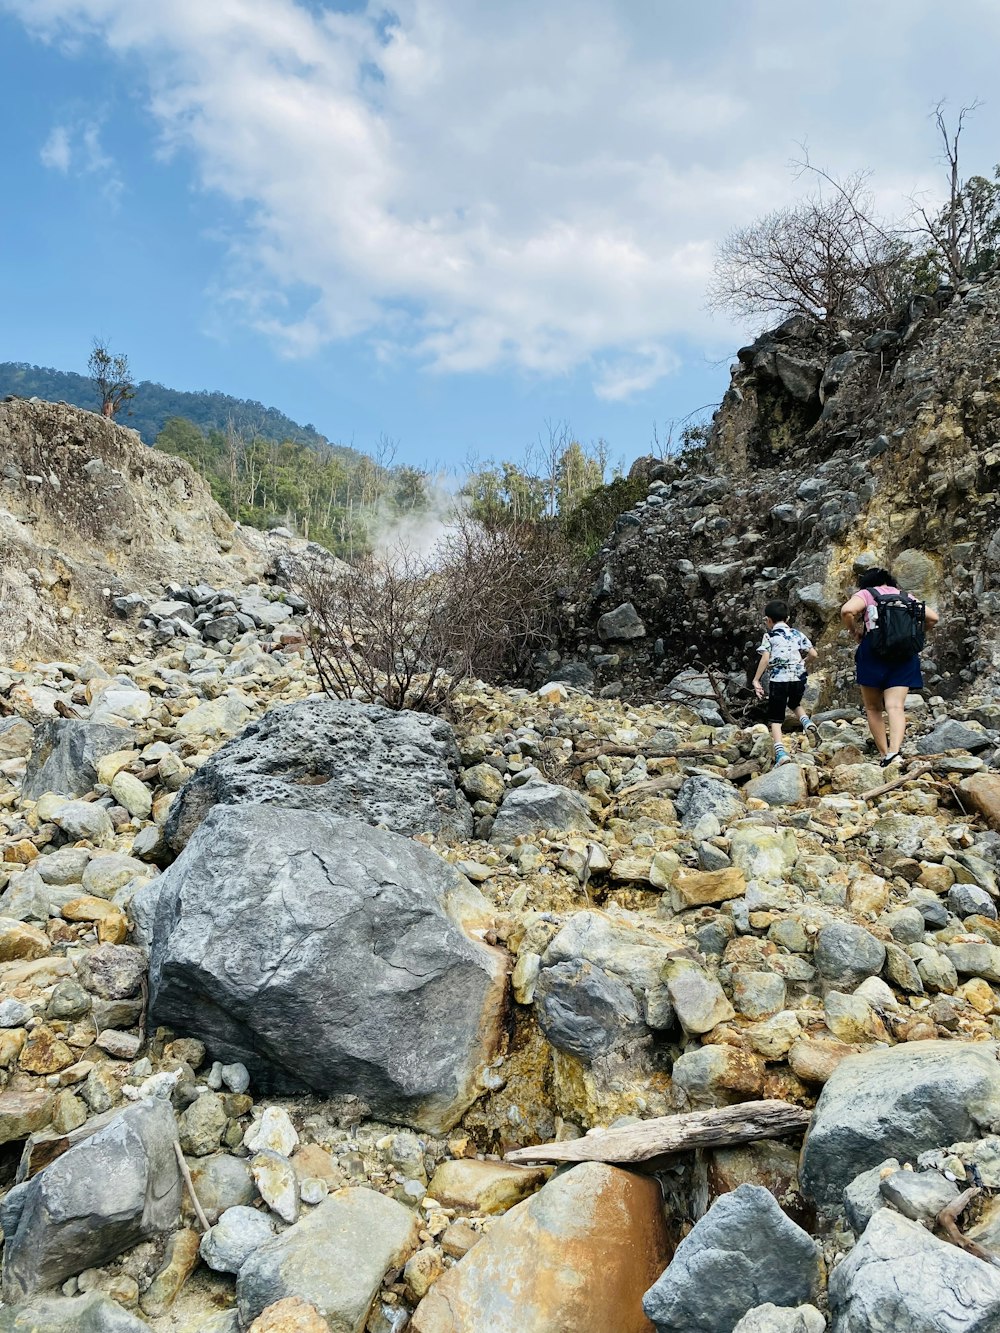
325 954
335 1258
334 757
899 1276
538 806
92 1313
897 1102
118 1186
953 735
744 1252
65 755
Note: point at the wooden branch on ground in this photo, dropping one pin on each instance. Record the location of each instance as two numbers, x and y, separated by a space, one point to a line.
715 1128
897 782
947 1220
189 1183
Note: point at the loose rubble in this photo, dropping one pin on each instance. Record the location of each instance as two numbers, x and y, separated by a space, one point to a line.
336 991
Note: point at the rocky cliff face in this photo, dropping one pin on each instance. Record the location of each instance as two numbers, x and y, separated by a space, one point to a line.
821 461
89 513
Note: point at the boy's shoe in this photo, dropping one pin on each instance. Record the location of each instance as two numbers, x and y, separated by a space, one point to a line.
781 756
809 727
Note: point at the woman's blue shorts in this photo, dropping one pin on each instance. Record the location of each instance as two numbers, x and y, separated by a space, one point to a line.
881 675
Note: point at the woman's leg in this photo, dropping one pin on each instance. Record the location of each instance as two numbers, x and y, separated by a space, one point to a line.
895 707
874 704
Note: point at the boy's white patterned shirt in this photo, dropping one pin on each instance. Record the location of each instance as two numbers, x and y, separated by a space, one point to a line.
788 648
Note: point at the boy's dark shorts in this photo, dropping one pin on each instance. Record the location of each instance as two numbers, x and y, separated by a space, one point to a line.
783 695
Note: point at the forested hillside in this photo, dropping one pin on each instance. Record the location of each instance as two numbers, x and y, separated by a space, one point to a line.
154 404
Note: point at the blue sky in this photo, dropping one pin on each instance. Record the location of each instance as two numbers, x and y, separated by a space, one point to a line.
447 221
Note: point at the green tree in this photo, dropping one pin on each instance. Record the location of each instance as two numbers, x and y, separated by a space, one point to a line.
112 378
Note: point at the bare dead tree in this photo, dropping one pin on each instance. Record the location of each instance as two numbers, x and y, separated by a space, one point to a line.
968 224
405 630
828 258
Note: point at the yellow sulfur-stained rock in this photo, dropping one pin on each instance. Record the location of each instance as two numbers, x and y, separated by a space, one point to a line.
21 942
697 888
292 1315
483 1187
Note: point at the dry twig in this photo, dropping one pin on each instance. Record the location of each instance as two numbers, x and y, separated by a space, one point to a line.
189 1183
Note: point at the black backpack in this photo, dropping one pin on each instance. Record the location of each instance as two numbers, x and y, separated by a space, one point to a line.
899 631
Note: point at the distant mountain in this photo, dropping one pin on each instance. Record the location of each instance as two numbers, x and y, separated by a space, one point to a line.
154 405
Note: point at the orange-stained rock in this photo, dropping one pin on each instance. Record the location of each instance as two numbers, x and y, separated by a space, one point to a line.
698 887
21 853
983 792
21 942
815 1060
292 1315
575 1258
45 1053
484 1187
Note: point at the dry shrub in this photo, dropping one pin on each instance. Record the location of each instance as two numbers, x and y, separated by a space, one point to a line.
404 629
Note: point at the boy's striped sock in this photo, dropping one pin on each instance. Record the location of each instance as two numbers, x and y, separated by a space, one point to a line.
781 755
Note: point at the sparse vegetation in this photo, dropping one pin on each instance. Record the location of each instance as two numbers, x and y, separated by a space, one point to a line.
111 377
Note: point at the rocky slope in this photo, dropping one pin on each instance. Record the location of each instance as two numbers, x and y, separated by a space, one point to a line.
333 963
821 461
88 514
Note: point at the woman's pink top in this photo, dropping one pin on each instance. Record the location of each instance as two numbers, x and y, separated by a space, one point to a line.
871 606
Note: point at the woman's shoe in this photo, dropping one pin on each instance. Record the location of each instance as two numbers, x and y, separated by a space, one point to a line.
890 759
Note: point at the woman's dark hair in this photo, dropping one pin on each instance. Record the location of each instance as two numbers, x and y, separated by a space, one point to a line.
877 578
776 610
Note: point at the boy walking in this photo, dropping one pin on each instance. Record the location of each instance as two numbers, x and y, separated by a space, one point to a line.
785 651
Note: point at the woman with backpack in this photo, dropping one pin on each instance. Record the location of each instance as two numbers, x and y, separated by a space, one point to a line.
889 626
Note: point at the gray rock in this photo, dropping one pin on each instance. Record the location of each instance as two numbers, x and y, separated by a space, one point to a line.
953 735
202 1125
334 1257
919 1195
700 796
65 866
14 1013
772 1318
863 1196
81 819
321 953
222 1182
969 900
897 1102
744 1252
65 754
118 1186
800 375
584 1011
785 785
846 954
899 1276
113 971
537 806
238 1233
92 1313
624 622
342 758
697 998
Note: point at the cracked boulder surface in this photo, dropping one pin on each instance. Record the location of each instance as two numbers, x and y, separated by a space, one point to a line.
330 956
376 764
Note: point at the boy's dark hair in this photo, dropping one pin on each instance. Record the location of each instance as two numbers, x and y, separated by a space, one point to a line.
877 578
776 610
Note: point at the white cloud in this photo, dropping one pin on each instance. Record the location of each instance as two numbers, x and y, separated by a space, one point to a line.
78 148
537 184
56 151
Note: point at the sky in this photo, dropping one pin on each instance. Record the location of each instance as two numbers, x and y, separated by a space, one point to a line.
455 223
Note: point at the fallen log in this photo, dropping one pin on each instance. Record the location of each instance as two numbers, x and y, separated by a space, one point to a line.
715 1128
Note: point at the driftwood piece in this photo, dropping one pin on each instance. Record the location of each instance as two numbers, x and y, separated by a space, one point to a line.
947 1220
897 782
714 1128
